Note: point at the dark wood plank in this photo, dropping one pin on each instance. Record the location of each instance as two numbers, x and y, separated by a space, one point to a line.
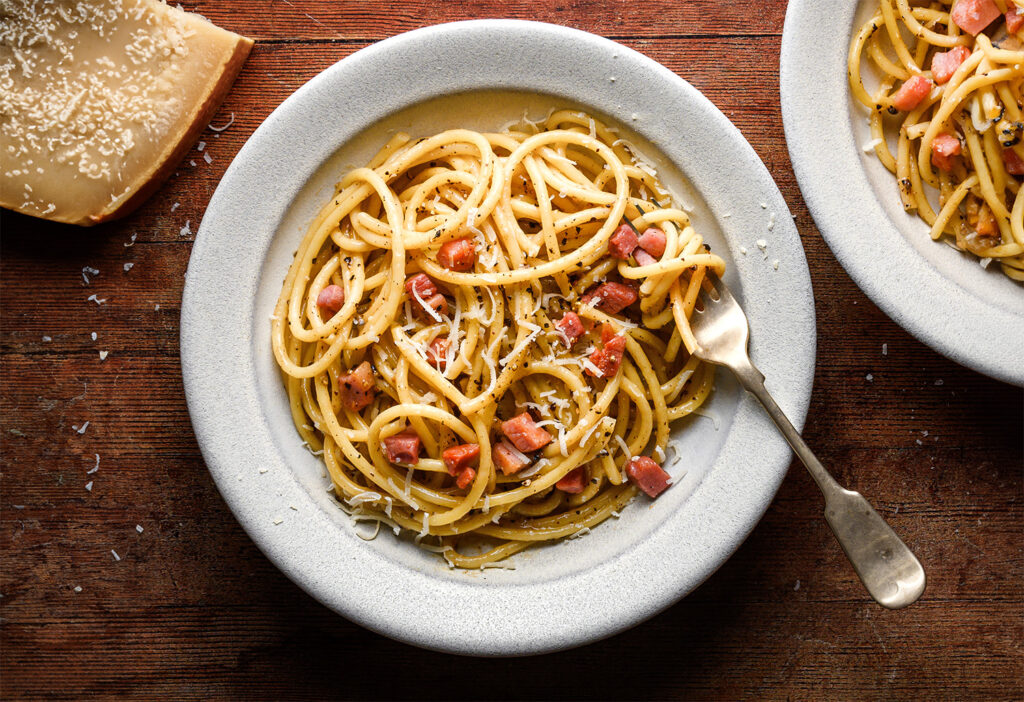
192 610
352 20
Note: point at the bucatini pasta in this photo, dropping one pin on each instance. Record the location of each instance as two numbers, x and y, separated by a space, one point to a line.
952 88
487 337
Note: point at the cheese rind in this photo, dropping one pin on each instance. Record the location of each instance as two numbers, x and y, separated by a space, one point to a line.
99 100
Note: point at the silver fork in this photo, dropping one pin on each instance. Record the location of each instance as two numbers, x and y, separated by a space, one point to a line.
889 571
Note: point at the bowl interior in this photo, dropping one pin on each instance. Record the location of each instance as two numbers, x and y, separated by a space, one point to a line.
701 437
961 268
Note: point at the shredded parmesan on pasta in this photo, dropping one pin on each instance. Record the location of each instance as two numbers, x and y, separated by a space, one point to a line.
361 382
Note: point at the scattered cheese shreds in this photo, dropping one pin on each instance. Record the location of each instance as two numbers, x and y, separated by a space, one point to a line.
221 129
94 336
128 267
47 338
138 528
103 355
186 230
80 429
116 557
870 145
97 300
88 486
207 158
78 588
885 349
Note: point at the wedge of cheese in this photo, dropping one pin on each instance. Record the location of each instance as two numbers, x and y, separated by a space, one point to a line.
99 100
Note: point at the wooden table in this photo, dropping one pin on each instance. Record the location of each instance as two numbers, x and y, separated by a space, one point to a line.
188 607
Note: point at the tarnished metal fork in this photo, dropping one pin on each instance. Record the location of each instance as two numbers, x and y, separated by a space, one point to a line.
888 569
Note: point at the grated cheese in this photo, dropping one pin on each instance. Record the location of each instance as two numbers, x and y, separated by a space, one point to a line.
561 441
221 129
521 346
625 447
869 146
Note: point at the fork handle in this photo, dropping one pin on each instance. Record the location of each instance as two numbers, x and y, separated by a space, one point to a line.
889 570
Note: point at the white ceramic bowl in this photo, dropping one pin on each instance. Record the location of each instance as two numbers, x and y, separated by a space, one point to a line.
972 315
482 74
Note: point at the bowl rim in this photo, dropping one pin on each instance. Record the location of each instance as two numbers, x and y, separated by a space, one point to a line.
216 346
970 319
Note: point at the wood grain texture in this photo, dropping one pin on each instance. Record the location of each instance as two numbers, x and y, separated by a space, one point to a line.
192 610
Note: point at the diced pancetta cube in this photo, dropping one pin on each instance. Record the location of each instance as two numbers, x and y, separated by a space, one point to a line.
420 285
611 297
643 258
524 433
911 93
1014 19
622 242
465 478
330 300
945 63
986 224
608 359
1014 163
573 482
972 16
945 149
653 241
507 458
570 328
436 302
437 352
357 387
457 254
458 458
403 448
647 475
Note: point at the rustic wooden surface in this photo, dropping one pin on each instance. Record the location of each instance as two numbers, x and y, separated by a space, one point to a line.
193 610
